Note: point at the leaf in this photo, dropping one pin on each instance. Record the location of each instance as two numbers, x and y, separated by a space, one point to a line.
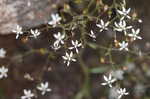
92 45
98 70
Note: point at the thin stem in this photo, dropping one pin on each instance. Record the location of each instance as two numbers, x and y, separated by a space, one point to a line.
85 88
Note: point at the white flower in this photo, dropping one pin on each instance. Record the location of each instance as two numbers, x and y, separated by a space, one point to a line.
68 58
27 94
122 26
113 93
118 74
44 88
56 46
122 92
2 53
18 31
124 13
3 72
134 34
35 33
102 25
75 44
92 35
55 20
108 80
123 45
59 38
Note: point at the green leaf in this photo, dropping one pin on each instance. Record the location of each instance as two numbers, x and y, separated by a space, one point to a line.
92 45
98 70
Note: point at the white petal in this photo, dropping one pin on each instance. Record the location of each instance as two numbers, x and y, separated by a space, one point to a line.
102 22
103 84
105 78
98 25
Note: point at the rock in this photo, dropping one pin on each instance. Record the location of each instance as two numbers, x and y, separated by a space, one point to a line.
26 13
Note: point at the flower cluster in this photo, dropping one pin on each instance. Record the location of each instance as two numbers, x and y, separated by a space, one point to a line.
3 69
60 41
130 34
121 26
109 80
43 88
128 31
18 31
69 57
